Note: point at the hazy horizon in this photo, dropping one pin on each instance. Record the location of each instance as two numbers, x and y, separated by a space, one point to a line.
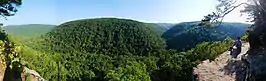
105 17
55 12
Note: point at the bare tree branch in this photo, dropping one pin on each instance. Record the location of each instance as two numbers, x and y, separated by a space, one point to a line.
220 15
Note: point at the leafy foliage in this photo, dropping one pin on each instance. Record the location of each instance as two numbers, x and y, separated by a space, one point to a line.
83 65
244 38
10 57
106 36
207 50
133 71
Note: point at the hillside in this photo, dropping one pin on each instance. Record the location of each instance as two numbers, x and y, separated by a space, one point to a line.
105 36
28 30
184 36
100 49
162 27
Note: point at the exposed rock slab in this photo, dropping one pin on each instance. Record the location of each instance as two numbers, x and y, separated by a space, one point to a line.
224 68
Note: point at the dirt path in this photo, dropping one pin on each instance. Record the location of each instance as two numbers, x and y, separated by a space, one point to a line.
223 68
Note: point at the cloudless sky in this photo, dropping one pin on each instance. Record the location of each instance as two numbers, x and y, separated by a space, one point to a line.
164 11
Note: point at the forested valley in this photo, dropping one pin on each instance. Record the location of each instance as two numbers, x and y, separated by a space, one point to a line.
112 49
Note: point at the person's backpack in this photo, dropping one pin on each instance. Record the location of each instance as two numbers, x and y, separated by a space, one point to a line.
238 43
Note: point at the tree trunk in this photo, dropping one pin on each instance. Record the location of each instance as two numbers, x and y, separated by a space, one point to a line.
256 35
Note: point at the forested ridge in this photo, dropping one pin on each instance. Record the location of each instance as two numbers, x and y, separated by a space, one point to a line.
106 49
187 35
105 35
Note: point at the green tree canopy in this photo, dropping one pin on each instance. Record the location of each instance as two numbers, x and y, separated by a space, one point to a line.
105 36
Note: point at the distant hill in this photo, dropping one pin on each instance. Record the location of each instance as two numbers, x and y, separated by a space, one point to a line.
162 27
28 30
187 35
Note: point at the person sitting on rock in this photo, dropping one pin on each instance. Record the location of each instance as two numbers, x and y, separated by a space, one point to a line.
238 45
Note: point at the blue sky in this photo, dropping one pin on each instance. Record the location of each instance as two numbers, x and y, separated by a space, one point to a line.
60 11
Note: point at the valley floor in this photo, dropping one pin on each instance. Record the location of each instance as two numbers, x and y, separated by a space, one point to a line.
224 68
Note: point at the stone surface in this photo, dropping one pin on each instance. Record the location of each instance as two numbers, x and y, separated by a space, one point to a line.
224 68
33 75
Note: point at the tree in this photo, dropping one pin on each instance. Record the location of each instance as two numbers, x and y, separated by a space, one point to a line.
256 11
9 7
11 55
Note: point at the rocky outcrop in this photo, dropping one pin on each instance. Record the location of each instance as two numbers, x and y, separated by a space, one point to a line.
33 75
249 66
224 68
